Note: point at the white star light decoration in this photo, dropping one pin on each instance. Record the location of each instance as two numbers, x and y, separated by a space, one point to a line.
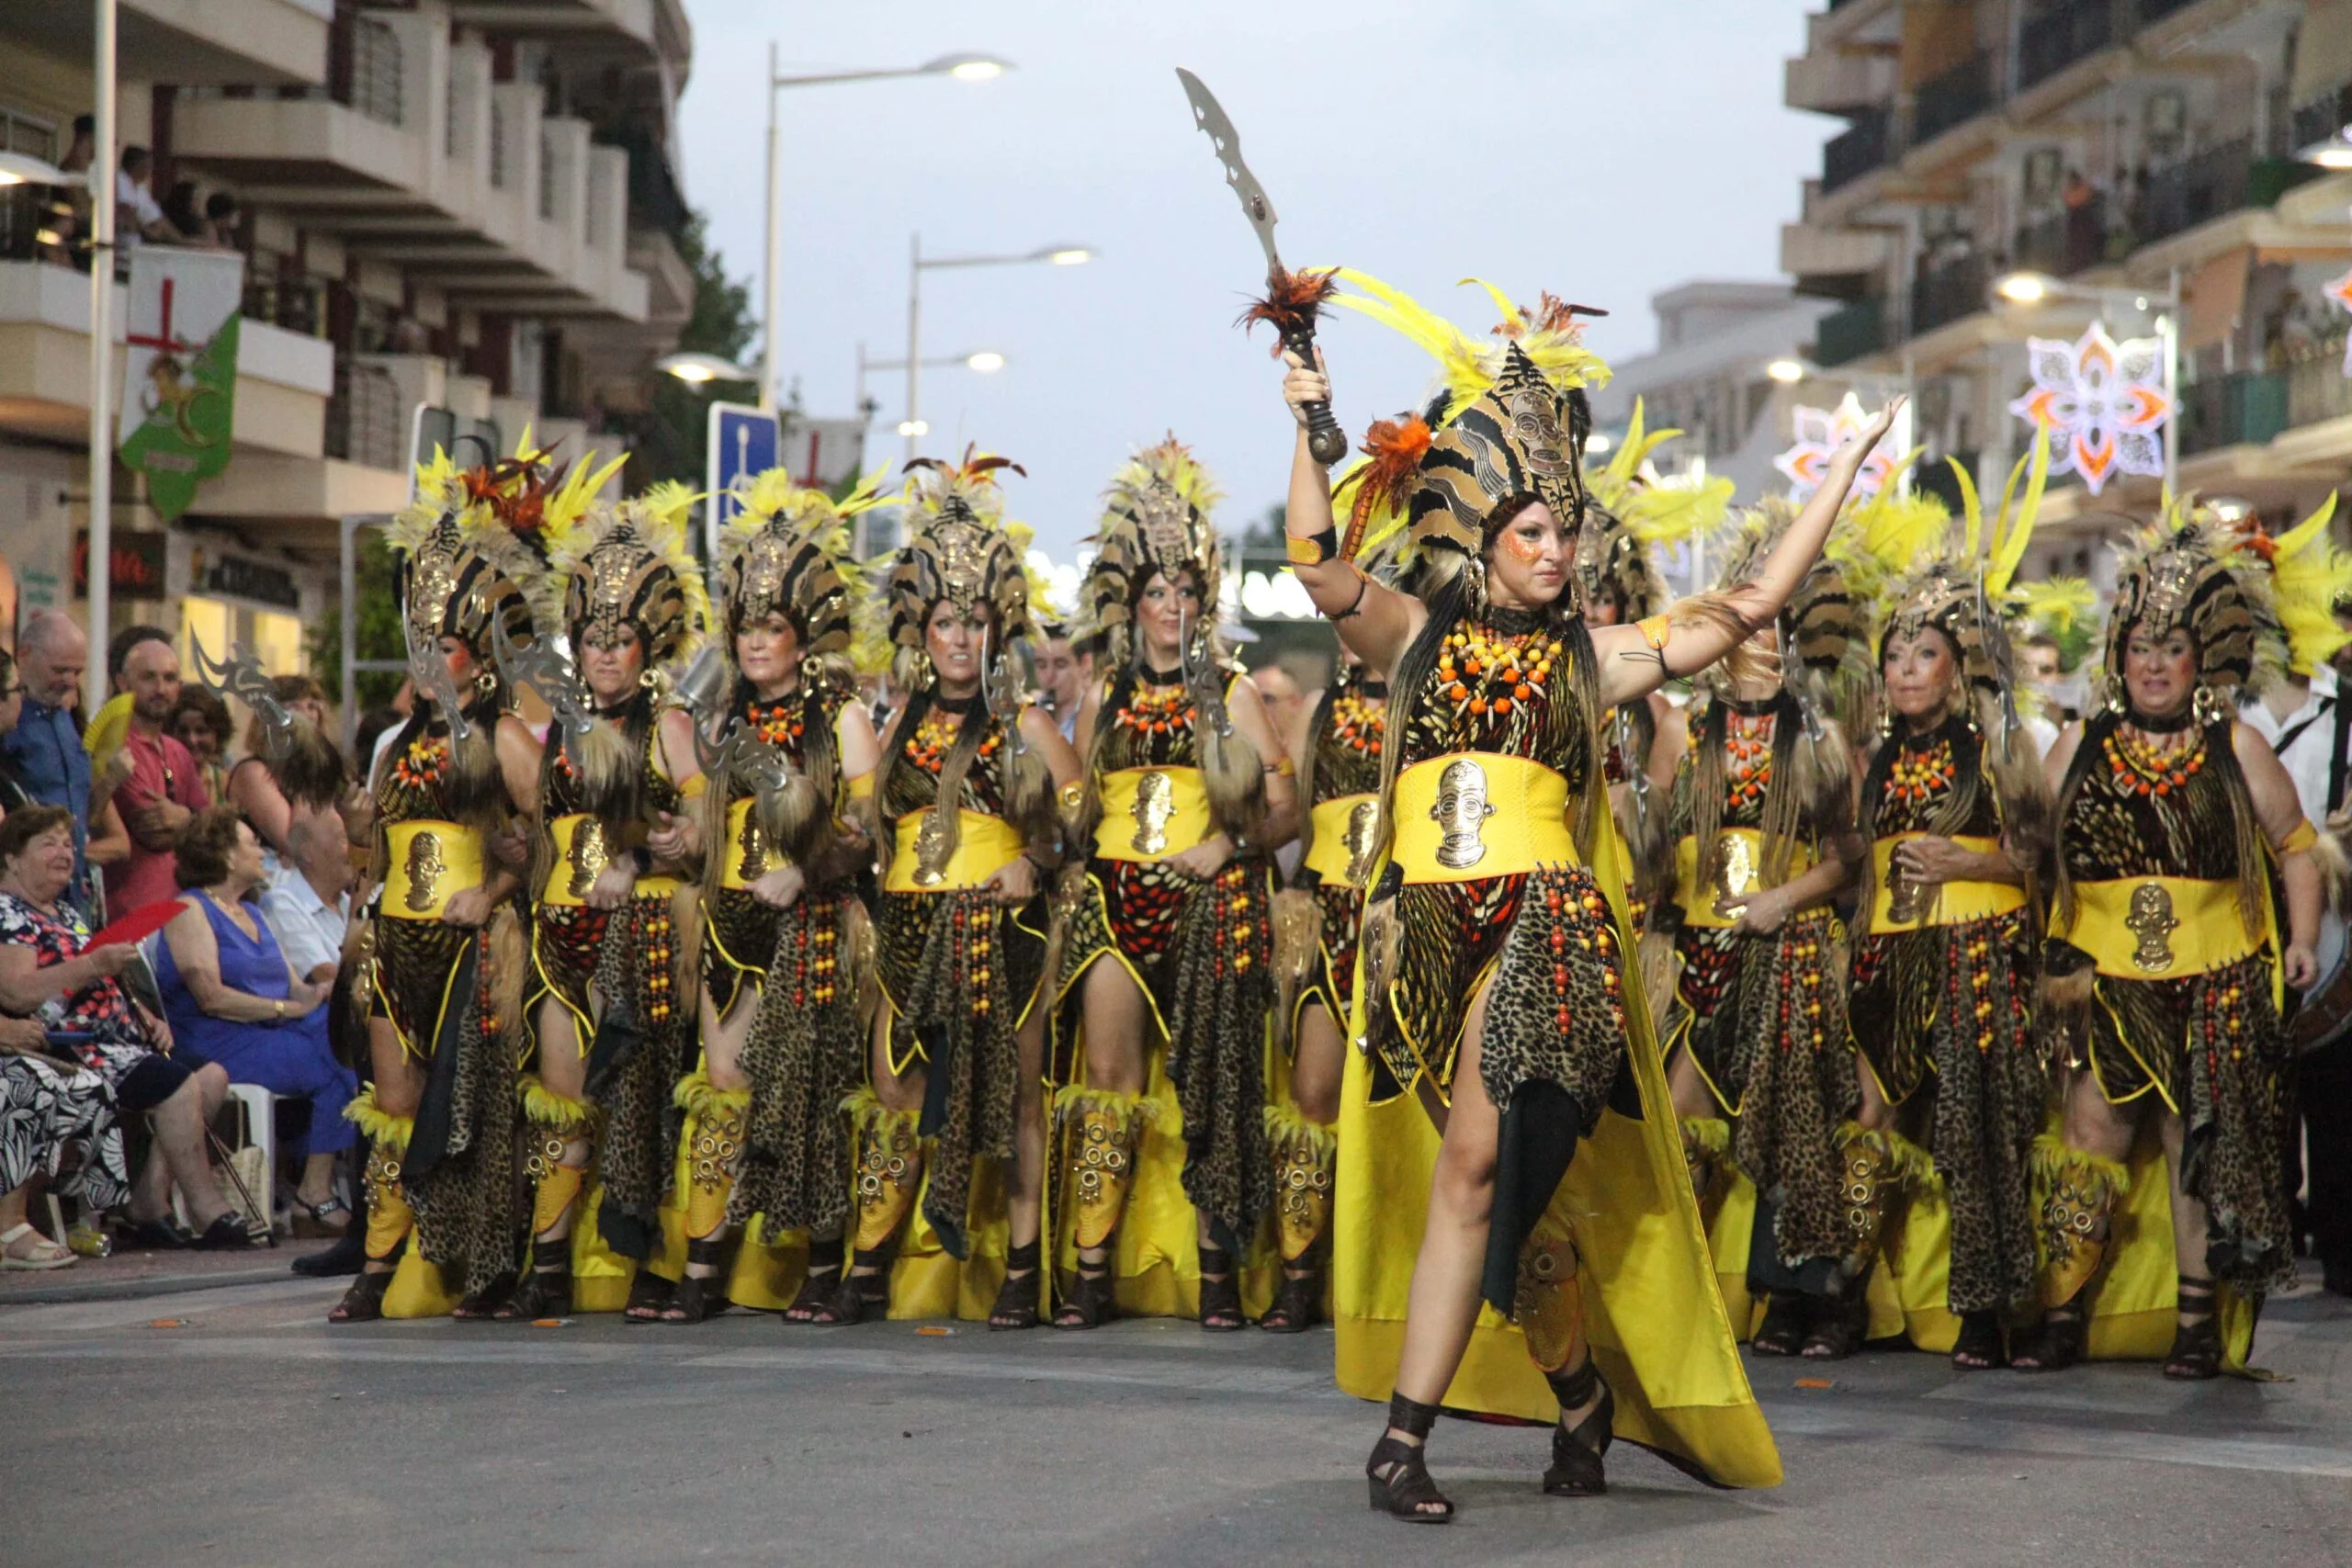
2103 402
1820 433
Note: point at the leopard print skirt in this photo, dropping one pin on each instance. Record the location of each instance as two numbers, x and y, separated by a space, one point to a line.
804 1056
1946 1009
2211 1045
1331 976
738 938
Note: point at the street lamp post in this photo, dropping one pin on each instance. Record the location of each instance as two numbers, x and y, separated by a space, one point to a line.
962 67
2031 289
912 427
981 362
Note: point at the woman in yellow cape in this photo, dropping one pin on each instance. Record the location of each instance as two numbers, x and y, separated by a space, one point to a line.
1498 1021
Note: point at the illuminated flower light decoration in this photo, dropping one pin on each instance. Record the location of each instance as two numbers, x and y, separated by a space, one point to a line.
1820 433
2104 404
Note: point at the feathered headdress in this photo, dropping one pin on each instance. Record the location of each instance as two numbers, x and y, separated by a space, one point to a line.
960 548
1510 418
630 566
2310 577
2208 578
1821 625
1628 518
474 545
788 552
1156 518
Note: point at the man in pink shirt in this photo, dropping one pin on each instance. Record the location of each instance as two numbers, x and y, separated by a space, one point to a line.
165 788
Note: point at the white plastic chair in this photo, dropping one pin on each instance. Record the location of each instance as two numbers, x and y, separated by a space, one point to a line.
258 1119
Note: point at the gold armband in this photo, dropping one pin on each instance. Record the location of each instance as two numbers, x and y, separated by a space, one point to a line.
2301 839
862 787
1312 551
1655 630
694 787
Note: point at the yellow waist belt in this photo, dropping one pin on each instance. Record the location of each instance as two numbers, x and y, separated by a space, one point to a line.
1743 872
1470 815
584 847
984 846
429 861
1347 833
1151 812
1906 905
2160 928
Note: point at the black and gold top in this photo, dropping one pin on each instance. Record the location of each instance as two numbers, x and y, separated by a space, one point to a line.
1495 754
581 841
740 931
428 855
1943 981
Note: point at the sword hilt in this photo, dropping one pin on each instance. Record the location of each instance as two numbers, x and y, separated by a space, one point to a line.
1324 437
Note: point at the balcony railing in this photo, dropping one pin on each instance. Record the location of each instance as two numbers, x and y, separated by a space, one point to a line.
2066 32
2321 117
2317 388
364 66
2247 408
2157 10
2065 242
1850 332
2200 187
1948 293
298 305
1950 97
365 420
1856 151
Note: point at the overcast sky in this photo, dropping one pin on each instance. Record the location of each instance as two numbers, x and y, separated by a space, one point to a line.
1606 149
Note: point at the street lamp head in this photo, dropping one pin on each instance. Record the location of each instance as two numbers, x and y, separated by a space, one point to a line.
914 427
23 168
968 67
1066 255
2334 155
695 369
1788 372
2025 287
1598 443
987 362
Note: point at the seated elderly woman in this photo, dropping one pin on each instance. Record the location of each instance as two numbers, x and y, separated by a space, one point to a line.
234 999
49 971
56 1125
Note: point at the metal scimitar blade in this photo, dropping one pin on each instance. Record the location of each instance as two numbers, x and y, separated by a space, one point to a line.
1255 204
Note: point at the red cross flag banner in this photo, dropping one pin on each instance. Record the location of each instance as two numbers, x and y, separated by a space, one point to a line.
179 372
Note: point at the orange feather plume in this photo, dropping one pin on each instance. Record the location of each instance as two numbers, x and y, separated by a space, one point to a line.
1395 448
1292 303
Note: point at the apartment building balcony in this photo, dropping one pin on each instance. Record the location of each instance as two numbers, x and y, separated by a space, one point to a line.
2247 408
1949 292
191 42
650 30
2066 241
2222 179
1952 97
1854 331
283 378
1861 147
414 156
2317 388
2061 35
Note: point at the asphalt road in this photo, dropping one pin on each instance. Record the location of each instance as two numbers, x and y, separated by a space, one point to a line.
229 1426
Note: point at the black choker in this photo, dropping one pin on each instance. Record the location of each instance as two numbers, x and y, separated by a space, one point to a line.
1516 623
1753 708
2172 724
1150 677
941 702
1373 690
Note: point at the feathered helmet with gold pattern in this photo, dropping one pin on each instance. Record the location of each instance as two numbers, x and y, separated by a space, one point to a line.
1510 418
628 567
2255 605
473 545
1629 515
1156 518
788 552
960 549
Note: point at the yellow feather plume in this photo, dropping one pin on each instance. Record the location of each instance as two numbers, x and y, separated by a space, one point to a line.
2312 575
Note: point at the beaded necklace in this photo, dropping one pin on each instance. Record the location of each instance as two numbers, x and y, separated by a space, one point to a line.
1918 775
1359 722
2143 766
1156 710
777 723
927 746
1748 746
1484 670
423 764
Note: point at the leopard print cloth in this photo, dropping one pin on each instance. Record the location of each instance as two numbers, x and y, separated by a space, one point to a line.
804 1056
1948 1006
2210 1043
469 1217
1204 951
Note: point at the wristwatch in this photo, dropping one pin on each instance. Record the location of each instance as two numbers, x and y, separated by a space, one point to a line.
279 1004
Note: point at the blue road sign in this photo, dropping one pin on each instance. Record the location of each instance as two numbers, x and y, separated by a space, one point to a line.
743 441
